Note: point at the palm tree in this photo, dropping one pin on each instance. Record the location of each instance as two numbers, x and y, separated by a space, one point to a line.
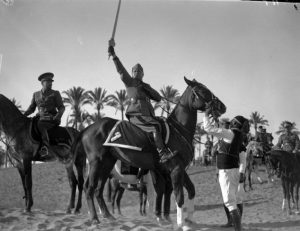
99 98
171 96
119 101
256 118
77 97
293 128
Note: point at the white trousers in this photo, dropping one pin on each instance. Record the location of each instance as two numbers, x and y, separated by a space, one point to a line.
229 183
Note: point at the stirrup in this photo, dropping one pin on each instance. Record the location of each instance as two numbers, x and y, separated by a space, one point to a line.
44 151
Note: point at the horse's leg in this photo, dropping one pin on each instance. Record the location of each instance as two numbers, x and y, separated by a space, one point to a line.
114 192
73 184
285 189
22 175
189 186
80 178
105 166
177 176
167 197
119 197
28 183
141 200
289 184
297 196
159 186
144 191
90 185
291 190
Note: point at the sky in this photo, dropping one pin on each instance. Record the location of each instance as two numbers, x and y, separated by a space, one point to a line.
246 53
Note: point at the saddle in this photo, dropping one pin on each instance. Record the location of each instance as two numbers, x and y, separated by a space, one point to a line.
129 136
126 135
57 135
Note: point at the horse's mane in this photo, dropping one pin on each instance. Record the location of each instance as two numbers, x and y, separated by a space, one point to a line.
9 107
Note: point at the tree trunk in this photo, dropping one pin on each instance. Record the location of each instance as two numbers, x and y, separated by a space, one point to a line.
122 114
6 157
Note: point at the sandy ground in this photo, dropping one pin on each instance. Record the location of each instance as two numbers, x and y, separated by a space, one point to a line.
51 193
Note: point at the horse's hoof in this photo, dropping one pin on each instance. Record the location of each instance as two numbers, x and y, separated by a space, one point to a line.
297 212
28 211
159 220
69 211
189 222
77 211
110 217
168 219
95 222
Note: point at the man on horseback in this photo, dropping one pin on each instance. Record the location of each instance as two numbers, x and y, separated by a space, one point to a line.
140 110
50 107
288 141
228 158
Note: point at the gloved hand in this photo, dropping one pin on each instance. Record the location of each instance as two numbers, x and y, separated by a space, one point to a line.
111 50
242 177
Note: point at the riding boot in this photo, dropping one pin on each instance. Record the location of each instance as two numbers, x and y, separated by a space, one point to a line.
44 151
236 220
164 153
229 220
240 208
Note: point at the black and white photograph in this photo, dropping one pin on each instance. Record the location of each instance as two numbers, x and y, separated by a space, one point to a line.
149 115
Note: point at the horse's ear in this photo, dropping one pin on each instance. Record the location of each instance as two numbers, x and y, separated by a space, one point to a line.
188 82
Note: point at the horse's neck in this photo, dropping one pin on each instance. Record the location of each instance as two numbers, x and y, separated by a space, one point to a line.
11 124
184 119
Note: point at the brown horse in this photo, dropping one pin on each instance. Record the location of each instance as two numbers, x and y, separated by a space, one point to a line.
18 128
182 124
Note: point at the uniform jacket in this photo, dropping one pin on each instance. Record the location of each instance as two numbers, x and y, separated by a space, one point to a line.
48 103
288 142
138 92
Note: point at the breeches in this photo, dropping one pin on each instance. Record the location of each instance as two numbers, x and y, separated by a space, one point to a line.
229 183
43 127
146 123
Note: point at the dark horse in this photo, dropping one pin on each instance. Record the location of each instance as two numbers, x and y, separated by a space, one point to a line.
286 165
116 190
17 128
182 124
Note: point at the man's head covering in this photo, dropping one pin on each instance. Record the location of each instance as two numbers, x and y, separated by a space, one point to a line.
137 67
239 122
287 124
48 76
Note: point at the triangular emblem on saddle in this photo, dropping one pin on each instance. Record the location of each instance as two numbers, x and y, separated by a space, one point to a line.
58 136
128 136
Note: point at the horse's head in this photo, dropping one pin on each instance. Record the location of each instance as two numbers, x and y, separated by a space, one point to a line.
203 97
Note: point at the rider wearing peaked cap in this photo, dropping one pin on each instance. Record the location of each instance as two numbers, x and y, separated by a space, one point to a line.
140 110
288 141
229 155
50 106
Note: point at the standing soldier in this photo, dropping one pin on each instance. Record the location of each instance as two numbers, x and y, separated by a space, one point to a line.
50 107
288 141
140 110
228 158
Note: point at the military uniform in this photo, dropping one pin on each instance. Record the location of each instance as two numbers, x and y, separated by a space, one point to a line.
262 137
50 107
288 142
140 110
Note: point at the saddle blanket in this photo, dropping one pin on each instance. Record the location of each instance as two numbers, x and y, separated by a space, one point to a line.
128 136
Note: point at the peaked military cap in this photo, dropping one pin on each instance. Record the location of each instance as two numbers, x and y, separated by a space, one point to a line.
46 76
137 67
